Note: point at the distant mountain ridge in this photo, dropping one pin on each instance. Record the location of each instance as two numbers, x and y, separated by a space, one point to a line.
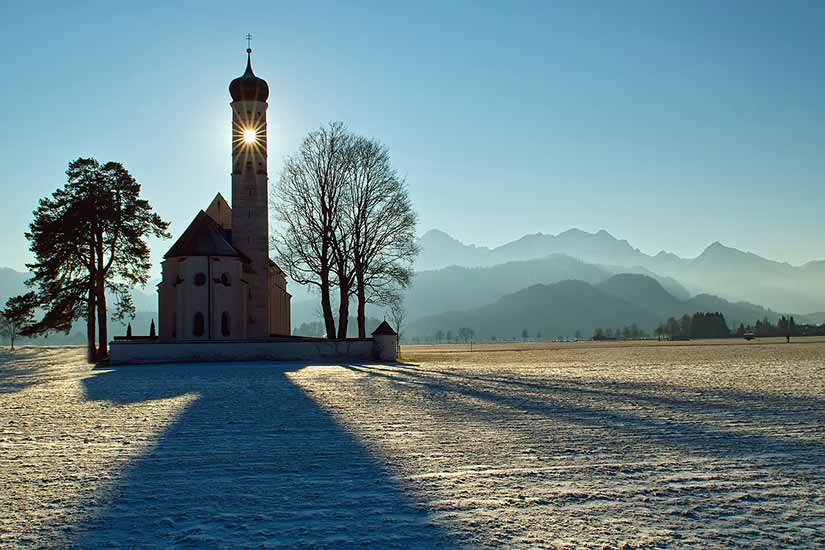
561 309
459 288
719 270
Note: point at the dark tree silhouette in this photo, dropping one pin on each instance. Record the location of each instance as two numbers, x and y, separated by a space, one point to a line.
89 237
17 315
347 222
397 314
380 224
466 334
307 202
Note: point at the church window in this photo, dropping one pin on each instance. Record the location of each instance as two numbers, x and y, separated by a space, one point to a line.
200 279
225 280
226 328
197 328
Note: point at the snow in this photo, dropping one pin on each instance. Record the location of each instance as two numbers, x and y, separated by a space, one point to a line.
568 446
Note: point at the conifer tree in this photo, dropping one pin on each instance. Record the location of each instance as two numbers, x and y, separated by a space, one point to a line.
16 316
89 237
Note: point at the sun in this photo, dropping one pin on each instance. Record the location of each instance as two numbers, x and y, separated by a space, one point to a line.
250 136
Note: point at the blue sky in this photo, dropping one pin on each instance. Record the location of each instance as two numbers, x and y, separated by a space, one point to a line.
671 124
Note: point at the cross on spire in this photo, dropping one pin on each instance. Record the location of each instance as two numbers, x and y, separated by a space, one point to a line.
249 41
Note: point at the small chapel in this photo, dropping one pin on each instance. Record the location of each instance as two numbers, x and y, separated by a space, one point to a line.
218 281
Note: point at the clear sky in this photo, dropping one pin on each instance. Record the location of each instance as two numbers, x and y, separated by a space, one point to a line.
671 124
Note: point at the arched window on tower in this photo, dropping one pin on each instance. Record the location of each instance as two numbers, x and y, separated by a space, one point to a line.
226 325
197 327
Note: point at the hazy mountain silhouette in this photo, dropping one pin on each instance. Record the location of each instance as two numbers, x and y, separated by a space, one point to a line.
439 249
719 270
554 310
739 275
644 292
649 294
12 283
562 308
459 288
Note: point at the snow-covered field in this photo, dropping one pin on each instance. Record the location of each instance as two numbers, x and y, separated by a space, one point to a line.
576 445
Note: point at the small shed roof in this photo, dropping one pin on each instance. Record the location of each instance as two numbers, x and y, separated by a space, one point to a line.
384 329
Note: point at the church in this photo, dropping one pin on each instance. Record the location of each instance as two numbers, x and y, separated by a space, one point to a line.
218 281
221 297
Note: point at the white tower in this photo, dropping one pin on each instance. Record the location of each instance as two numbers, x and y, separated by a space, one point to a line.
250 214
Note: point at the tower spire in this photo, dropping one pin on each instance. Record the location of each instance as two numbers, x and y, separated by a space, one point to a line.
249 53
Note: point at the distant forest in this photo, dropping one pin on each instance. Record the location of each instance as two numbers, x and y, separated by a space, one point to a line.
700 325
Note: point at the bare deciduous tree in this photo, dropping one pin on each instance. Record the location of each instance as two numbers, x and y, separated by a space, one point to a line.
346 222
397 314
382 223
307 202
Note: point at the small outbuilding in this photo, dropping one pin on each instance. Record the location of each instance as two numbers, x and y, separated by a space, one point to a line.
386 342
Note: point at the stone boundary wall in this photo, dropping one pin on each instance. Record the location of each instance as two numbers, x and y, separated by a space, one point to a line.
136 351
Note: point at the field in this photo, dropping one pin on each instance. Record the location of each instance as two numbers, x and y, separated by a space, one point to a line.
693 444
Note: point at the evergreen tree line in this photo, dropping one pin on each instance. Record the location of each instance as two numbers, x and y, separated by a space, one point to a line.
629 332
785 327
698 325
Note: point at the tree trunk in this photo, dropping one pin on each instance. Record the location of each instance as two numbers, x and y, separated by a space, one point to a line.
103 330
343 312
326 306
91 348
362 307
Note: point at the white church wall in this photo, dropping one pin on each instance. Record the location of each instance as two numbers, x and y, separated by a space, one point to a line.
127 351
227 295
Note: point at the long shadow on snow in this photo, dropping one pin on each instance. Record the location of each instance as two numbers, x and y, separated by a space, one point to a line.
737 404
253 462
695 432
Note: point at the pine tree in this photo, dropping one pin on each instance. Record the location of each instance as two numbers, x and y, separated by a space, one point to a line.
17 315
89 237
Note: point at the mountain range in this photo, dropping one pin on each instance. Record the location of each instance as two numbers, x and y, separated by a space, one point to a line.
561 309
575 280
719 270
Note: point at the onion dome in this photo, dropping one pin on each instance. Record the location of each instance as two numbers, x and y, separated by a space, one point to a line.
249 87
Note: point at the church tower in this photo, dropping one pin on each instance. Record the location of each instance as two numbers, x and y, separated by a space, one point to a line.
250 214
